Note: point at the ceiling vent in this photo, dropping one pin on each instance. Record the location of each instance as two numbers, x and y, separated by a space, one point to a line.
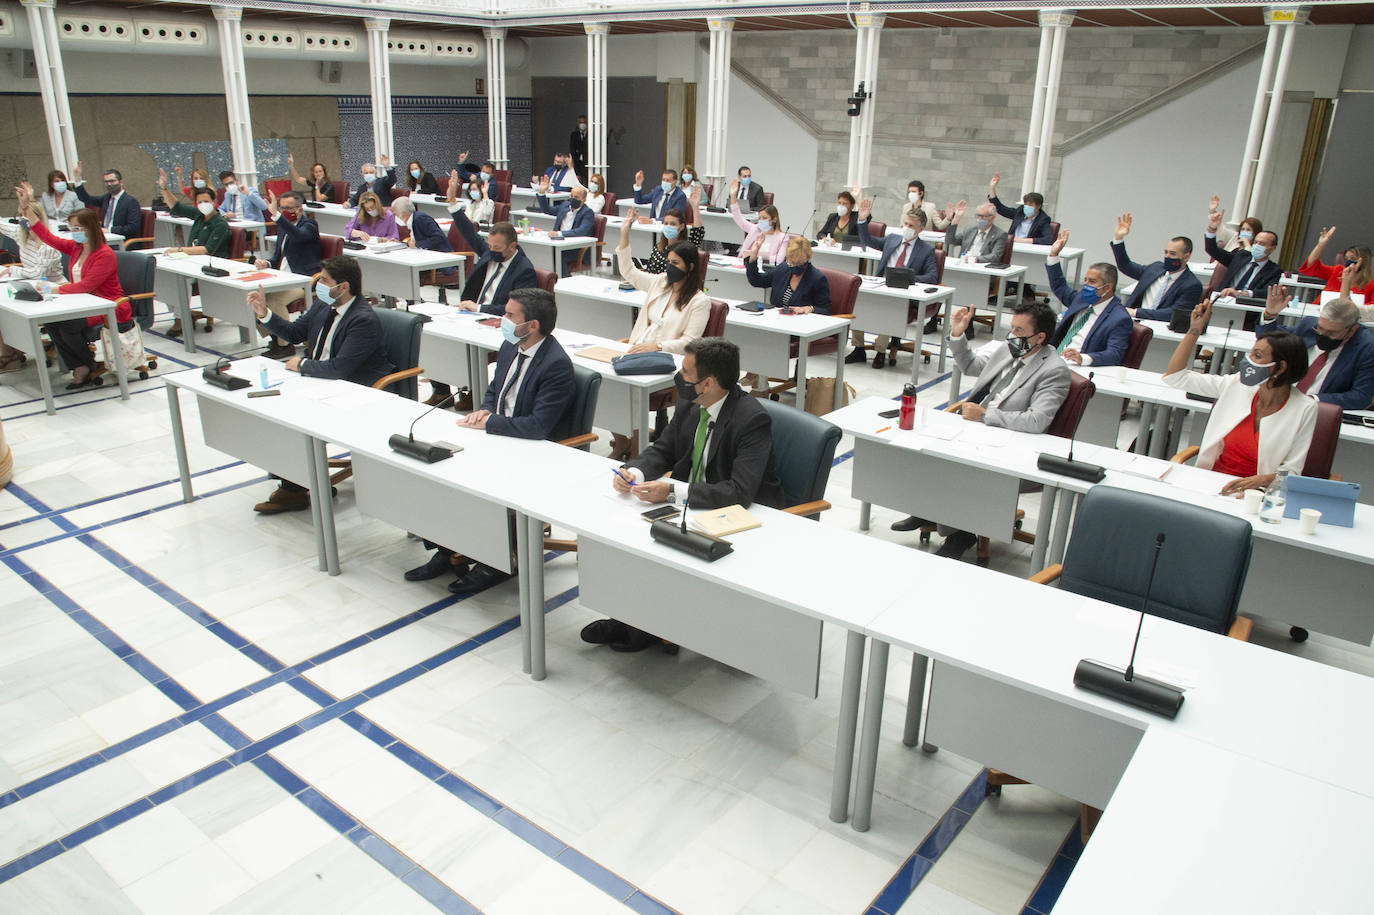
455 50
409 46
185 34
257 35
95 29
328 42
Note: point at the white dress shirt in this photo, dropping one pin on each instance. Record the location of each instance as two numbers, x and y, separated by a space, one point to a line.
1316 387
506 407
333 329
1159 287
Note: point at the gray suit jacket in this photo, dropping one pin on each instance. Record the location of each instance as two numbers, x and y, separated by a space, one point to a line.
994 243
1036 393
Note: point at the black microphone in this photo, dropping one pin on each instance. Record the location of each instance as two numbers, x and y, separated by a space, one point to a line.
809 220
428 452
215 374
1052 463
1221 353
1141 692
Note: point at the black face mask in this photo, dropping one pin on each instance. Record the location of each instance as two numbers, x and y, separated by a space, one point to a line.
496 256
675 274
1327 344
1172 263
1018 346
798 269
686 391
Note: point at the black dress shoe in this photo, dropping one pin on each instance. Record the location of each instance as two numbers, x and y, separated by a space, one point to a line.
635 640
440 563
932 326
854 358
957 544
604 632
909 523
479 578
880 360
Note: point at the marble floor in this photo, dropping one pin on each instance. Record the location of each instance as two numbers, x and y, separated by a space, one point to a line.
197 720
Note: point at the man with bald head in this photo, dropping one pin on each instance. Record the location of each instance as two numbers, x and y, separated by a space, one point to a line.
571 219
983 239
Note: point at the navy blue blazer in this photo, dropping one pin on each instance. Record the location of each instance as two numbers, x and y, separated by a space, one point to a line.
558 178
427 233
1040 229
363 187
1235 263
1111 332
1350 380
1184 292
128 215
676 201
921 257
356 352
543 407
584 223
519 274
303 236
813 290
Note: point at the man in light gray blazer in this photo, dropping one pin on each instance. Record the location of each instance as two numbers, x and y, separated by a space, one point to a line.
982 239
1022 381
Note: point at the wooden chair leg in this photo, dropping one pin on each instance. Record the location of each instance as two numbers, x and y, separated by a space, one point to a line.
345 471
984 551
997 779
1087 821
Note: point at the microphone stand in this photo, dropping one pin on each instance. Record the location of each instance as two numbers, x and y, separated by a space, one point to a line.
429 452
1052 463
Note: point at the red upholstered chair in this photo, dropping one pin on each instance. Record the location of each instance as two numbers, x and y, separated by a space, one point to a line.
608 208
341 189
715 321
502 175
1320 453
768 198
500 212
219 196
330 246
844 291
1136 346
238 243
277 187
599 233
1054 229
710 191
876 230
400 190
502 192
145 231
546 278
703 261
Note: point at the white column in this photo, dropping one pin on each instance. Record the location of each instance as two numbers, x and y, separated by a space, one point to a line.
1059 20
869 28
52 83
379 68
1042 74
596 97
227 21
496 97
714 167
1286 19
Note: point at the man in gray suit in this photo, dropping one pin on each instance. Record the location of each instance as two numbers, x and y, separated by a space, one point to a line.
983 239
1022 382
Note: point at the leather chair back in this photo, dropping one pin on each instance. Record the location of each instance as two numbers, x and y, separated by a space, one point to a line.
1065 421
877 230
1006 251
768 198
703 261
1054 229
844 290
546 278
11 248
710 193
715 321
1325 435
578 420
1217 282
1137 345
238 242
608 207
500 212
1202 564
502 175
278 186
341 189
330 246
939 267
401 341
803 451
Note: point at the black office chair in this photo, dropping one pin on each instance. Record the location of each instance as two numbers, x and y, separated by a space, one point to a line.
1202 568
401 341
803 452
575 431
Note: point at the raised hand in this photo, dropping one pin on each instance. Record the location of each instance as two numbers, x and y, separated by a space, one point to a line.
992 184
1059 243
1276 301
544 184
385 161
162 179
290 161
462 157
1214 221
1201 312
960 209
1348 279
1123 226
176 170
865 209
1214 204
639 178
959 321
272 210
76 174
257 299
1326 234
453 184
625 228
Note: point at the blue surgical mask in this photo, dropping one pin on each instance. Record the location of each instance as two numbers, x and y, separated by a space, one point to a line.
231 190
1027 210
79 236
197 182
765 225
983 222
667 186
369 177
744 182
59 187
1258 252
1252 373
483 177
687 177
1245 234
475 194
508 331
1089 295
415 173
324 293
670 232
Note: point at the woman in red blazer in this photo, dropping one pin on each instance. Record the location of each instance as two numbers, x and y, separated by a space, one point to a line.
92 270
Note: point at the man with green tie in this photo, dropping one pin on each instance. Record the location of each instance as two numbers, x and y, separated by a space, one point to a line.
719 447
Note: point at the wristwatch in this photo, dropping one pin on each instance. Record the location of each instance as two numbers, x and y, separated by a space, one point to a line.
672 493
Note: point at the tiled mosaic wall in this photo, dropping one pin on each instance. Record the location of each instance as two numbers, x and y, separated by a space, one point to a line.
432 129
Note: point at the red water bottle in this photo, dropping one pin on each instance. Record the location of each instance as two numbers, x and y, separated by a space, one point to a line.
907 418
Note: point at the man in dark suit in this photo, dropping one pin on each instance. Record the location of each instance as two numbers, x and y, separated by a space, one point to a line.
1162 286
1095 327
1341 360
1030 224
531 396
745 191
343 340
904 249
297 251
501 265
560 175
719 447
577 142
1248 273
420 230
667 196
119 212
571 219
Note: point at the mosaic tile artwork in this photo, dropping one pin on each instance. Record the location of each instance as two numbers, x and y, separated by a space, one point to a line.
269 153
432 129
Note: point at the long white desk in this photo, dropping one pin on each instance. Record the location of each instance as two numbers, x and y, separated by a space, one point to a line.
1222 340
1033 257
21 324
224 298
398 272
598 306
169 230
540 238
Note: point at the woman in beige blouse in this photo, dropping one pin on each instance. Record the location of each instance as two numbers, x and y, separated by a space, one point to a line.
675 307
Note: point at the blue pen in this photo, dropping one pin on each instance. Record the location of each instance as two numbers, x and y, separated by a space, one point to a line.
628 481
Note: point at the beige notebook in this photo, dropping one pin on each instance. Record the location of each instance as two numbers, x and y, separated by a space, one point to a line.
722 522
598 353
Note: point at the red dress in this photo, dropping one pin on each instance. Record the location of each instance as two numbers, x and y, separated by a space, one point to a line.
1240 448
1332 275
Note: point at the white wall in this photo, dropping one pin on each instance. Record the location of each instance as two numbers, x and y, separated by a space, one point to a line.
664 57
1163 167
779 152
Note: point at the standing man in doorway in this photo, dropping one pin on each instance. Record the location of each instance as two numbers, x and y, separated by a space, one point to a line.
577 142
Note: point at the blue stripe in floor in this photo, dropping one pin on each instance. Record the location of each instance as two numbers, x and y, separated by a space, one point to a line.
1052 883
893 896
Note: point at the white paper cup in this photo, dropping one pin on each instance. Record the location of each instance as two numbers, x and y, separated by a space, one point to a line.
1253 498
1307 520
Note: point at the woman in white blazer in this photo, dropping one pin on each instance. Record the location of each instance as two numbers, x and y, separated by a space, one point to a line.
675 308
1261 423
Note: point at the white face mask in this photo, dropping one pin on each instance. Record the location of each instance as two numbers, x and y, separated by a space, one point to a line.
842 210
908 233
913 196
687 177
206 207
372 211
231 190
